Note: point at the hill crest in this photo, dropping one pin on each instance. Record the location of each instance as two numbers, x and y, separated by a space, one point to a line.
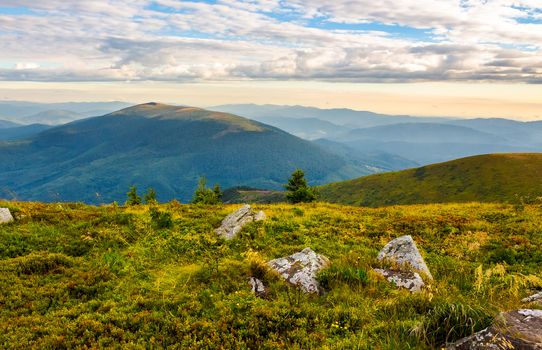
498 177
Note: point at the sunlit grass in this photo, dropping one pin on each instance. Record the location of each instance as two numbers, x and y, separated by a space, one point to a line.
80 276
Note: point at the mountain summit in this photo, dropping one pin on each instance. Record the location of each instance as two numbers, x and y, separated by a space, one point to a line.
163 146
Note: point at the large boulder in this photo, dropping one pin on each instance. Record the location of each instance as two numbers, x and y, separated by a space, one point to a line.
5 216
234 222
403 252
300 269
520 329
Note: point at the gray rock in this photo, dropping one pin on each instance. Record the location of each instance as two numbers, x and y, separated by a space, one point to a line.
403 279
535 298
519 329
300 269
5 216
234 222
403 251
257 287
405 254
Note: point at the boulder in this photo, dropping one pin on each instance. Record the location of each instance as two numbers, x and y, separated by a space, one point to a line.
535 298
519 329
257 287
5 216
234 222
403 279
300 269
403 252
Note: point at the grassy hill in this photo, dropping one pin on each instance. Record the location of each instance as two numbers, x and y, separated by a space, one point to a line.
485 178
166 147
76 276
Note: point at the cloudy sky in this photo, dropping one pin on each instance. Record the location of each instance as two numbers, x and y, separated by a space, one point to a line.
427 57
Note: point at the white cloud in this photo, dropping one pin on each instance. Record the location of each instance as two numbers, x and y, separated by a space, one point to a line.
271 39
26 65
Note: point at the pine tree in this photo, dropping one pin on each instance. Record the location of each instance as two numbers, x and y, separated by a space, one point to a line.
298 190
218 193
133 197
150 196
205 195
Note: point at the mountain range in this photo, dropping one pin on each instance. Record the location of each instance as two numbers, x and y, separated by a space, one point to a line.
166 147
23 112
421 140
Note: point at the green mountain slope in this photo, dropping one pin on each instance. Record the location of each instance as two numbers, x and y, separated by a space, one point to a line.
167 147
485 178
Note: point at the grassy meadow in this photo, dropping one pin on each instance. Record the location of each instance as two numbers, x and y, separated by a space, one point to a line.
78 276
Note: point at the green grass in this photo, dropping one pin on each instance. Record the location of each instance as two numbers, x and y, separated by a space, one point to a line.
77 276
486 178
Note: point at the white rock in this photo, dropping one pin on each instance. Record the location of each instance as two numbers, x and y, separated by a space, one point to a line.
403 279
300 269
403 251
234 222
5 216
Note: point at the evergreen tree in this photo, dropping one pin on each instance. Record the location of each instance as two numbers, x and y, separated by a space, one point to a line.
298 190
133 197
150 196
205 195
218 193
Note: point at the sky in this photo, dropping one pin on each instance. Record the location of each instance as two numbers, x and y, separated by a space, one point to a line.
420 57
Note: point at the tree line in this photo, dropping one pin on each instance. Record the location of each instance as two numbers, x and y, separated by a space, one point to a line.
298 191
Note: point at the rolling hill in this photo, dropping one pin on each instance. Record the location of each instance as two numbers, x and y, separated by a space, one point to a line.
167 147
484 178
21 132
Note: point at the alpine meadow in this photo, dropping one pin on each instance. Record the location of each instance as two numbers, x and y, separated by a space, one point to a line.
271 174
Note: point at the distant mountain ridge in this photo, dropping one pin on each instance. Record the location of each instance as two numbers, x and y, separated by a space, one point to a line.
421 140
24 112
483 178
166 147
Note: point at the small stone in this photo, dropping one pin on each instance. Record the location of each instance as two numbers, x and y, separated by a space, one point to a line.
234 222
300 269
5 216
257 287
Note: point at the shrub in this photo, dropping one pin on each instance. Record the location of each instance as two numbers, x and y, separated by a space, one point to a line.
161 219
41 263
